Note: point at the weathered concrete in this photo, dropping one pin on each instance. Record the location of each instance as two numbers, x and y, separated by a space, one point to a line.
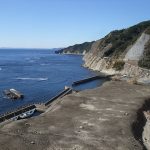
98 119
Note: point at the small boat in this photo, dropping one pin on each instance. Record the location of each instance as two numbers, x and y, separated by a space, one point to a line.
27 114
15 118
13 94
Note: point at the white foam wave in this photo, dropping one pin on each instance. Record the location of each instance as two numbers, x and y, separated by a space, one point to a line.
43 64
36 79
31 61
28 58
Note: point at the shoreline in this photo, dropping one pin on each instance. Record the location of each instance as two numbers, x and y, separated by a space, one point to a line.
91 118
41 107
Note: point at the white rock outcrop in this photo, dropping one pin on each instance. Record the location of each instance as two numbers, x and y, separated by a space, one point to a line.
136 51
95 61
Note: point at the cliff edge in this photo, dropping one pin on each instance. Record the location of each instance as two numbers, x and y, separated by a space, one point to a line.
124 51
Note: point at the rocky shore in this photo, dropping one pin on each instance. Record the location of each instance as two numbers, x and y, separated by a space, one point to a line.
104 118
125 51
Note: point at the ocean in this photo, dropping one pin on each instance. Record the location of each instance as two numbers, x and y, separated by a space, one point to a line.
39 75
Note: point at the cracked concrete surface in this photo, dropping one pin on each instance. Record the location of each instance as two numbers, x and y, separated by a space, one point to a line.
97 119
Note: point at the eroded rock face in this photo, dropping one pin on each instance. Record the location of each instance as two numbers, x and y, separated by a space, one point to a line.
98 64
137 49
129 46
95 59
136 71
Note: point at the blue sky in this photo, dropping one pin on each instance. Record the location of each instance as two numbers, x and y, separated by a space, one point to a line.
60 23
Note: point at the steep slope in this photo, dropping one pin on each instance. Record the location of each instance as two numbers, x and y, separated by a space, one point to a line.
137 49
124 51
127 49
145 59
76 49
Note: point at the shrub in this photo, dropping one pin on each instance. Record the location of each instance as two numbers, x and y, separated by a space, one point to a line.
118 65
147 30
144 62
121 39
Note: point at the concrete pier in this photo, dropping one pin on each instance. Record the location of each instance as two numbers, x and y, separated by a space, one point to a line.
90 79
15 113
40 107
61 94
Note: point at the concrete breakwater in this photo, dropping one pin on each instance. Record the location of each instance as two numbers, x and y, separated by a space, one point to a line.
43 106
61 94
38 106
90 79
16 113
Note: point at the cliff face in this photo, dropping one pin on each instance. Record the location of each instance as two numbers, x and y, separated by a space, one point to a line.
96 59
126 51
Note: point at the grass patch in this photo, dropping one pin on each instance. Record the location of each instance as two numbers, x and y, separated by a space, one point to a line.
144 62
121 39
118 65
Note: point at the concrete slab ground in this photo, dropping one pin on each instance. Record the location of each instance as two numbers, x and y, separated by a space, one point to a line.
97 119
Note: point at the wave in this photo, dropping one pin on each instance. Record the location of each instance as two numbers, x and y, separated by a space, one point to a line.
27 58
43 64
35 79
31 61
0 69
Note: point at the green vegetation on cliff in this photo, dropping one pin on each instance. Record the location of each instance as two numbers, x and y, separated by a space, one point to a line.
145 60
147 31
122 39
118 65
115 45
77 49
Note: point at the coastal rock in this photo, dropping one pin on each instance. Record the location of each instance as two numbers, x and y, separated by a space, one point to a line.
103 57
125 51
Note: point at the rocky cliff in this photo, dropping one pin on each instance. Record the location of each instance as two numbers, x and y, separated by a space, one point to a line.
125 51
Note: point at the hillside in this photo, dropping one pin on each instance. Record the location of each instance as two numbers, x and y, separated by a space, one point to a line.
126 51
76 49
